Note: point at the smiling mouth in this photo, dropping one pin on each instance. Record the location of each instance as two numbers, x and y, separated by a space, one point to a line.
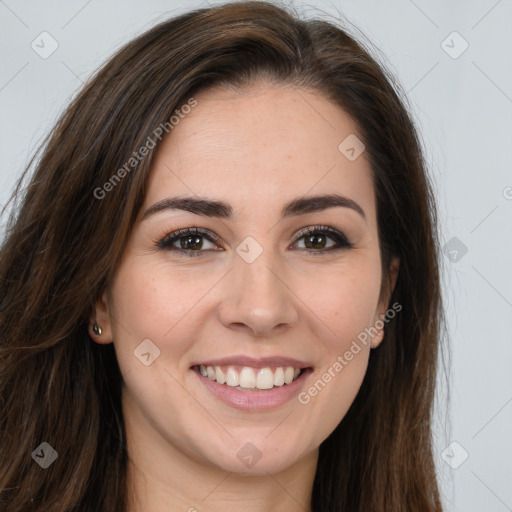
246 378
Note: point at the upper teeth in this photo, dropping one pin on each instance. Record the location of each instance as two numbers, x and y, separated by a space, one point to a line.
250 378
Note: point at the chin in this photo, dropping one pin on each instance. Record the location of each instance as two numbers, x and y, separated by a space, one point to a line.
256 455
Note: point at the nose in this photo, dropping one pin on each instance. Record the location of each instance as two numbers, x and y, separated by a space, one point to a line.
258 298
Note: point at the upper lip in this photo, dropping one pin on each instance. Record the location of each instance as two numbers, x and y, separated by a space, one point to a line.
254 362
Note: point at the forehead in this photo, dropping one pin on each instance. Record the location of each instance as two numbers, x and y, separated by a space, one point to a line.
260 146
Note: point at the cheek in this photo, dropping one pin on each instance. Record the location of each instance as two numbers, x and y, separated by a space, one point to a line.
344 301
156 301
345 310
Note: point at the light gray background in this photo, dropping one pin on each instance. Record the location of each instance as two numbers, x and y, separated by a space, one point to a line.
463 107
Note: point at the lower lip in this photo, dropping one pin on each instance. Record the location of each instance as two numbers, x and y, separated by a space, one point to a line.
255 400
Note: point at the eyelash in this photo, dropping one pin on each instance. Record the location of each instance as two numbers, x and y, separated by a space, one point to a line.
342 241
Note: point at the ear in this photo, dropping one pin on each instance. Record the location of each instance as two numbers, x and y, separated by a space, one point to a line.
101 317
383 306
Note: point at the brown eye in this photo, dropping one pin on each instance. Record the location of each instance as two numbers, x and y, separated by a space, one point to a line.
316 239
189 241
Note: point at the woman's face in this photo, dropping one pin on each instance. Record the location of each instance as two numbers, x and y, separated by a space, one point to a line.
250 296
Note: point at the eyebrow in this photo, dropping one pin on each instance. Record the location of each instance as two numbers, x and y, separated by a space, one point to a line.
222 210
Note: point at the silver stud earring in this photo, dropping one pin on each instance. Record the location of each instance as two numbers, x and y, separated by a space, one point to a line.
96 329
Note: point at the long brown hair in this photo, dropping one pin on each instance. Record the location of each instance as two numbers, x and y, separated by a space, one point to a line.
63 245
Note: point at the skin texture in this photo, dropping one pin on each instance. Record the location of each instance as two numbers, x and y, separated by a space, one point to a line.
256 149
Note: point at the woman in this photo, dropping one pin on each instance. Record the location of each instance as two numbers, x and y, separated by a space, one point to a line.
220 290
